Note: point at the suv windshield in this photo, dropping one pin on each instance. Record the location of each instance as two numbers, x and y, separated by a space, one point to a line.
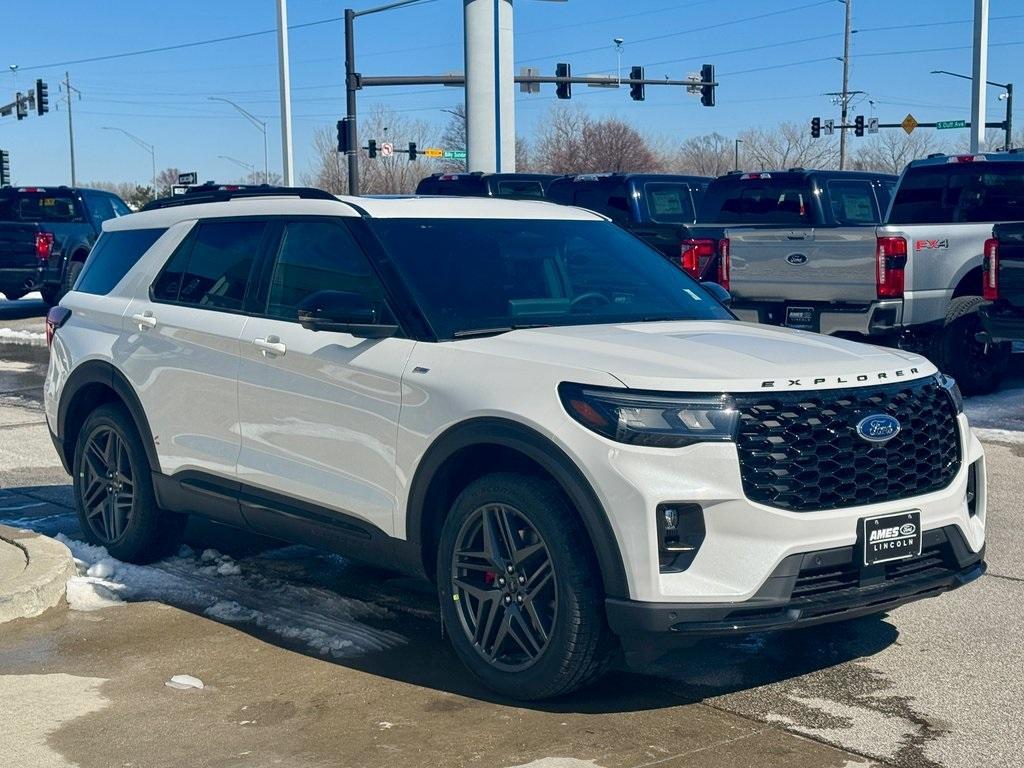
481 276
960 192
45 207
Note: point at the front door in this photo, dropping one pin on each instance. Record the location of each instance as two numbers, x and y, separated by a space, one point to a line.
318 410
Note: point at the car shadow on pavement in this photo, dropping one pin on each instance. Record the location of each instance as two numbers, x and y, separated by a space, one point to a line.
406 609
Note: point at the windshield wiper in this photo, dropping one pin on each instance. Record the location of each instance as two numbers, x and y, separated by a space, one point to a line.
496 331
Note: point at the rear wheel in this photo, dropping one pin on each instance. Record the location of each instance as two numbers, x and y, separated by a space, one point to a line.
114 491
12 294
51 294
520 592
71 273
977 367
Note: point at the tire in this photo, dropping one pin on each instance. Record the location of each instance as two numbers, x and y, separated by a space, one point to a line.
555 573
12 294
71 273
978 368
51 295
127 521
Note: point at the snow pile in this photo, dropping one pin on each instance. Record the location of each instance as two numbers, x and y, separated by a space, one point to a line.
232 592
184 682
21 336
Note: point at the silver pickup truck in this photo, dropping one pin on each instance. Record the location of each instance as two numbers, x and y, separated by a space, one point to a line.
915 281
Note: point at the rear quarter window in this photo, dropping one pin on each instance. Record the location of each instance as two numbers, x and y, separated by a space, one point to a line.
113 255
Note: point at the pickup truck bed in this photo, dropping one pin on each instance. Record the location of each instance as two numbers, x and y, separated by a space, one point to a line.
19 258
1002 314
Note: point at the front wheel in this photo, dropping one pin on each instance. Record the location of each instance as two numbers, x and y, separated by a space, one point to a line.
12 294
520 591
977 367
114 491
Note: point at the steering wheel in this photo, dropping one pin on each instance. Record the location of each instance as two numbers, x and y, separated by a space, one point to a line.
600 298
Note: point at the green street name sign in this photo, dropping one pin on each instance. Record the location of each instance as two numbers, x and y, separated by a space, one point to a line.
455 154
951 124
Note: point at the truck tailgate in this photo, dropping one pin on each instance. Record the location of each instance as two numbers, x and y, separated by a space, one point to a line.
18 245
822 264
1011 262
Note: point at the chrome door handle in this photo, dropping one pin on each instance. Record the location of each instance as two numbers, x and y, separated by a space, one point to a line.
271 346
144 321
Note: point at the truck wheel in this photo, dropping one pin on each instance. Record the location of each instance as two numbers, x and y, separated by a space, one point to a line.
114 490
520 592
12 294
51 295
71 273
977 367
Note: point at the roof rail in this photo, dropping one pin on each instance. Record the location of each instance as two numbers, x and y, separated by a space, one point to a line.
936 154
795 169
210 193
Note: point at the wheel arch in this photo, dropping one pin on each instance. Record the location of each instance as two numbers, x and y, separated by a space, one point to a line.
470 450
969 284
90 385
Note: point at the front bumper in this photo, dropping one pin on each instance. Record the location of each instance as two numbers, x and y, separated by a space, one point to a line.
808 589
1001 323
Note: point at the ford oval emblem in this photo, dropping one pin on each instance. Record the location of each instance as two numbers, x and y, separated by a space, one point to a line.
908 529
797 258
878 428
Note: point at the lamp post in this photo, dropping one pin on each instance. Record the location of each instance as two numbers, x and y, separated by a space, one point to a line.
144 144
1008 87
259 124
248 166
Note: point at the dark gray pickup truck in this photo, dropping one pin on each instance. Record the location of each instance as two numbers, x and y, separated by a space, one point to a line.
46 234
1002 313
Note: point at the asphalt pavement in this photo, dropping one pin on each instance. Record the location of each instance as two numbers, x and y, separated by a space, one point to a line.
308 660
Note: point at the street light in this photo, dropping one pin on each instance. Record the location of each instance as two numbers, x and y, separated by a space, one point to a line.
248 166
1008 87
259 124
144 144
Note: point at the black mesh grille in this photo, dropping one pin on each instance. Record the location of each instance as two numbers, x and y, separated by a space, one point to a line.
801 451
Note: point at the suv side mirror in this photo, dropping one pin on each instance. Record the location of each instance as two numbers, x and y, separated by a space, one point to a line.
343 312
719 293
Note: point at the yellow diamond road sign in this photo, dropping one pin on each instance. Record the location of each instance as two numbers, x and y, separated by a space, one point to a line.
434 152
909 124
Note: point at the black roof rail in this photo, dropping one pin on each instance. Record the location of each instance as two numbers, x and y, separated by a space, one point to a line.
224 192
796 169
936 154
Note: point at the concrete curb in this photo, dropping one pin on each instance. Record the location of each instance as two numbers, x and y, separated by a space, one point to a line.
34 572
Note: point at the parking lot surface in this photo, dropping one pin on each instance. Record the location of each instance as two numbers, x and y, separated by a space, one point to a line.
309 660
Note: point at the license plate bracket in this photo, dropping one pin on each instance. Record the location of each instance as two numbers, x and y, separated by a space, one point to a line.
802 318
891 537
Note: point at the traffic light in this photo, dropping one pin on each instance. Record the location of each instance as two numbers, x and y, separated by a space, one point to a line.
707 92
413 154
815 127
858 125
636 90
5 168
20 107
371 148
563 90
343 142
42 98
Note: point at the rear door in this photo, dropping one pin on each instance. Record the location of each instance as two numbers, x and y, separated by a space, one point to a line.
318 410
180 345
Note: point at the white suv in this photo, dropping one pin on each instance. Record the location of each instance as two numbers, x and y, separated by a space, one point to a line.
578 443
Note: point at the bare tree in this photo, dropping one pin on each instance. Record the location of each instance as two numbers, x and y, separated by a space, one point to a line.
572 142
788 146
454 137
381 175
710 154
892 149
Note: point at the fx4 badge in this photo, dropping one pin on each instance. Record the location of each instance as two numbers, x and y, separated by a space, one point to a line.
930 245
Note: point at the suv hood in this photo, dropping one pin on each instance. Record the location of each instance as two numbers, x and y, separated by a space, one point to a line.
716 356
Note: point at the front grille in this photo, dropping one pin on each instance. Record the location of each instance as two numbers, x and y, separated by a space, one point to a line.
800 451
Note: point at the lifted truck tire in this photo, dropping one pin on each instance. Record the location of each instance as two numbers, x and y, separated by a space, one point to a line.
977 367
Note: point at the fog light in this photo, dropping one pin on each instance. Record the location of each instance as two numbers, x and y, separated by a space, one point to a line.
680 534
972 489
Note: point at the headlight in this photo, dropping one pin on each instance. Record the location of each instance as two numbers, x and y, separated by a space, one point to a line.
948 383
651 418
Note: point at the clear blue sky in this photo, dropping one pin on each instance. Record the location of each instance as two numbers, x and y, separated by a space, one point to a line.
775 60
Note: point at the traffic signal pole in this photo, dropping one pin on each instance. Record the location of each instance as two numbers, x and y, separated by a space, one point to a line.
351 86
846 86
71 127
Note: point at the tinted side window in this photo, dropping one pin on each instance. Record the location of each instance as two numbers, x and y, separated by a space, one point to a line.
120 208
612 203
100 208
852 201
211 268
111 258
884 190
669 203
318 256
519 189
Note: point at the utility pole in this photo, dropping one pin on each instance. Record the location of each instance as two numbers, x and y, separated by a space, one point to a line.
979 74
286 92
845 97
736 155
350 101
71 129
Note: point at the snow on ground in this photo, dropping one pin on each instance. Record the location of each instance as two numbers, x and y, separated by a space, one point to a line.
232 592
20 336
999 416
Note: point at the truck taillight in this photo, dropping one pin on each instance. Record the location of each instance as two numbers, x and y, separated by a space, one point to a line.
55 318
990 270
724 264
890 262
44 245
695 256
